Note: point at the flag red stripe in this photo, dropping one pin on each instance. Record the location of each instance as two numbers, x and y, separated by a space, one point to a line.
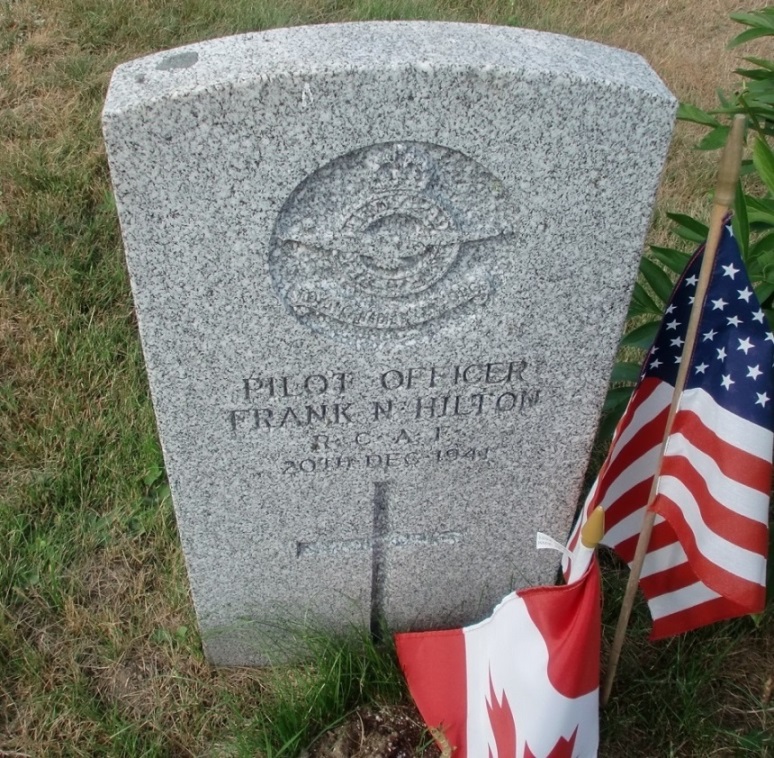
661 536
731 525
715 548
634 499
736 430
623 453
740 590
671 579
649 399
736 464
648 436
696 616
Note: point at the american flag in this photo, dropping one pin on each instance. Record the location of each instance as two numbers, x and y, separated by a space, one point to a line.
706 560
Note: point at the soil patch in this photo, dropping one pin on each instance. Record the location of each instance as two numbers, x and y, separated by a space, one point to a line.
386 732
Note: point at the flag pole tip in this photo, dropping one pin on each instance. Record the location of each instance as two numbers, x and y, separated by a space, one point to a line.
730 162
594 528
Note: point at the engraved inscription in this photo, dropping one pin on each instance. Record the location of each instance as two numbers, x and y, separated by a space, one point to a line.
414 393
383 241
405 417
387 460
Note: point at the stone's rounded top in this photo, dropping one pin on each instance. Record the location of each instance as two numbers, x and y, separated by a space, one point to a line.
330 48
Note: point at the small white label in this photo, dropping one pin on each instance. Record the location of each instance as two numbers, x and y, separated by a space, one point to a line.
544 542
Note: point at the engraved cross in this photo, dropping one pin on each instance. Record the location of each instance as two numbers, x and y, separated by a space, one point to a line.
381 538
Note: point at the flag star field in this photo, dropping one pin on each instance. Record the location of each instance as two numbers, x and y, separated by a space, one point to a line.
734 351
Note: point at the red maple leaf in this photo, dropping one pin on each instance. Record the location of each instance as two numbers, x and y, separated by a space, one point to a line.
562 749
502 723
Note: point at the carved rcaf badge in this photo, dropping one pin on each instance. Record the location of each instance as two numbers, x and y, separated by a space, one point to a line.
384 241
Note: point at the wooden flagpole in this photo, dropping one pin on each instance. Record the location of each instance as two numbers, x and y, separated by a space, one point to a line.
725 191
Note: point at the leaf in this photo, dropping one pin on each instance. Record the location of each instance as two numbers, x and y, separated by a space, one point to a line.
757 740
756 95
658 280
763 159
762 23
689 228
764 291
724 101
687 234
756 74
747 36
763 17
642 337
759 91
715 139
762 248
740 223
609 422
754 269
671 258
626 372
688 112
616 397
761 110
642 303
760 210
689 223
161 636
31 579
761 62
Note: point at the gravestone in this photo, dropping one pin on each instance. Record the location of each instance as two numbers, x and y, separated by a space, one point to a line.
380 272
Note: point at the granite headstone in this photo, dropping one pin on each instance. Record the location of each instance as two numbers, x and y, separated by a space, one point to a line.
380 272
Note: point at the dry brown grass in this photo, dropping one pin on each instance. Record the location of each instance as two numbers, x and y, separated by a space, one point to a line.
683 40
685 43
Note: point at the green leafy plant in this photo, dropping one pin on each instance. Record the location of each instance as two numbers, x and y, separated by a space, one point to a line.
753 214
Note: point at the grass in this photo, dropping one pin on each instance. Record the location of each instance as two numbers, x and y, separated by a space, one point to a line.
99 653
303 702
704 693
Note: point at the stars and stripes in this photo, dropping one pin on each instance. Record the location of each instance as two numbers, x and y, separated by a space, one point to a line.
707 555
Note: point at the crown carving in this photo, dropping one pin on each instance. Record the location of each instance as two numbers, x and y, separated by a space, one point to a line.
404 169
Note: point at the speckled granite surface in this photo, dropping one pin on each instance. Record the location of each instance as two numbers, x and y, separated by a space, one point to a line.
380 272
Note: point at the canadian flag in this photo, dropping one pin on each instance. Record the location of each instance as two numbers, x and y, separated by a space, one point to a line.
524 683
